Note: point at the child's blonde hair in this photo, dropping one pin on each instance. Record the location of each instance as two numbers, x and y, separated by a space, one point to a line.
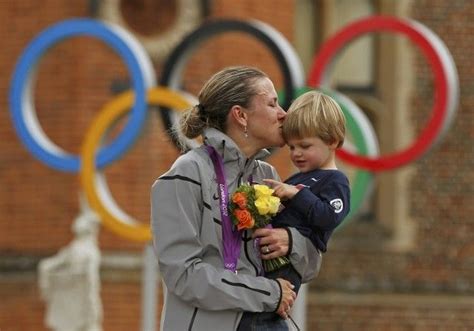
314 114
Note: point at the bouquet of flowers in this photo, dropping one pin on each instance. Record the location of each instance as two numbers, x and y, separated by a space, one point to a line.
253 206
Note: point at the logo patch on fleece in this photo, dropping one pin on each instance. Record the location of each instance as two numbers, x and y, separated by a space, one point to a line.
337 205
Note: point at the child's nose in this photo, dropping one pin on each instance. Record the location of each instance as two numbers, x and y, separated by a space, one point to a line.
296 152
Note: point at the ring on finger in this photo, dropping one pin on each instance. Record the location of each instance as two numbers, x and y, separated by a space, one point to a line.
266 249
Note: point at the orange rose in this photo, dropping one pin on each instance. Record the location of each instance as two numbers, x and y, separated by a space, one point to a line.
240 199
245 219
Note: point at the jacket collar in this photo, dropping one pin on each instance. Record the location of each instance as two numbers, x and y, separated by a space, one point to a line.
227 148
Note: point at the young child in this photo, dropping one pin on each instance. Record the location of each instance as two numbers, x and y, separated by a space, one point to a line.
317 198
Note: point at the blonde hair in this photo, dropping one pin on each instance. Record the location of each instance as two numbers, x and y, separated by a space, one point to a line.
225 89
314 114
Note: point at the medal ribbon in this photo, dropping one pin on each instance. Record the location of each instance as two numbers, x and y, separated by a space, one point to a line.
231 239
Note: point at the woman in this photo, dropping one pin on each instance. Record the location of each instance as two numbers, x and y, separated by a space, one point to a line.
212 273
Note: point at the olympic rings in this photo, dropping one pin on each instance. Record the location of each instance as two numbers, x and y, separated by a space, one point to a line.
21 99
446 96
284 53
94 183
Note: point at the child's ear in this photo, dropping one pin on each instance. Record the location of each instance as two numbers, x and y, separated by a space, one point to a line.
334 145
239 115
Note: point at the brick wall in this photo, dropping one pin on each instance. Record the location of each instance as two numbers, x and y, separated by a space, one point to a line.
74 80
366 285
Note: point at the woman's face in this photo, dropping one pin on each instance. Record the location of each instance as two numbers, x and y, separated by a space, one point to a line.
265 116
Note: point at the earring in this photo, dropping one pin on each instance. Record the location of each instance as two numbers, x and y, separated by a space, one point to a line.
246 132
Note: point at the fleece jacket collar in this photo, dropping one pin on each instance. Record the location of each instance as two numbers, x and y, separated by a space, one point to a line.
228 149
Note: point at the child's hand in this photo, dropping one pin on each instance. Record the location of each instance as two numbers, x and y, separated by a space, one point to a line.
282 190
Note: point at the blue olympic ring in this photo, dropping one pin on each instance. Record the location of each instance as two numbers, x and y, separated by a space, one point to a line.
22 108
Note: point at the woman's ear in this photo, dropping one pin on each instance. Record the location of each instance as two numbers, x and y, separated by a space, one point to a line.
239 115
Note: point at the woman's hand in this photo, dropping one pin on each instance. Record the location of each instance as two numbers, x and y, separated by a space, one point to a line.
288 297
273 242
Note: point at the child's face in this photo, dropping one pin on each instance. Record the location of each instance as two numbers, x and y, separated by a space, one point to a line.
311 153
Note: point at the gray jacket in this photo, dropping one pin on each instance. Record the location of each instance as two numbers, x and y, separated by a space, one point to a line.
201 295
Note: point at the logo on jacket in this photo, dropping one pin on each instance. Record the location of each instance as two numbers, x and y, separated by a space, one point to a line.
337 205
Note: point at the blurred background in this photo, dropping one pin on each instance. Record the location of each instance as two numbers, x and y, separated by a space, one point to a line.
403 261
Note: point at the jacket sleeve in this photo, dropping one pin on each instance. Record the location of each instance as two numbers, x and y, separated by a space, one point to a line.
177 210
324 211
304 256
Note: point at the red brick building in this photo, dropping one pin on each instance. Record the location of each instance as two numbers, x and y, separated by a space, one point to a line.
404 262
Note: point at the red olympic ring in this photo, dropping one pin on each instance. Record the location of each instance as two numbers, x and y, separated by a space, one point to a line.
443 101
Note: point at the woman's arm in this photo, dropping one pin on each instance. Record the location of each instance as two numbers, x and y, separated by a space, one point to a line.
304 257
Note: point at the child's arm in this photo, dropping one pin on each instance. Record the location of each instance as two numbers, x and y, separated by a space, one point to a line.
282 190
324 210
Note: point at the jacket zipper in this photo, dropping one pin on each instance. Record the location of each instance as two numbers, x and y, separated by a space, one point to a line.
191 323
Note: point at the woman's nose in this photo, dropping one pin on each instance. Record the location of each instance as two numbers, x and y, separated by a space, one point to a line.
281 113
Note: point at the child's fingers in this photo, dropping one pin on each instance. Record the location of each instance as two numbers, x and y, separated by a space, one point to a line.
271 182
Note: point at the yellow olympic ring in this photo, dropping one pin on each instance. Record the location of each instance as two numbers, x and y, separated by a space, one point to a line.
119 223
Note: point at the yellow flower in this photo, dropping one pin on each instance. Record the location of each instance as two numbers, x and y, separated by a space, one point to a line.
274 203
267 205
262 206
262 191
